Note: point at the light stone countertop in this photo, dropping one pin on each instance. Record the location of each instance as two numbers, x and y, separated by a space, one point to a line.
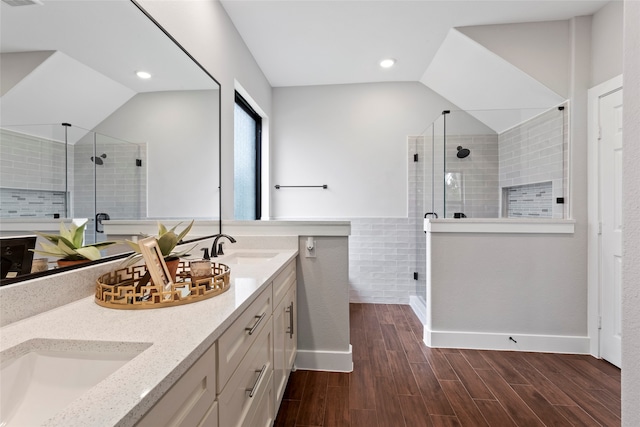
178 337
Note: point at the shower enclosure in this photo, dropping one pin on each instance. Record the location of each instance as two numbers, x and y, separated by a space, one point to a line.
488 164
64 171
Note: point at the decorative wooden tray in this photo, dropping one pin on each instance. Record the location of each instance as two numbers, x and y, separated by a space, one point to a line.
131 288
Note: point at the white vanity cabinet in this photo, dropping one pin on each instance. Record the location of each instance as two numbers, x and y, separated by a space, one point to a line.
240 380
285 321
191 401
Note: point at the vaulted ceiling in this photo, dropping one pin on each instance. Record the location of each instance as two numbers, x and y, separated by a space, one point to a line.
307 42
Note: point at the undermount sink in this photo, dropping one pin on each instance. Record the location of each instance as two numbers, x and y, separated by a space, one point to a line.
247 258
41 377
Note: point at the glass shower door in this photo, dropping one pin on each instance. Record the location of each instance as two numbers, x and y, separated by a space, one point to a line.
416 212
421 182
110 182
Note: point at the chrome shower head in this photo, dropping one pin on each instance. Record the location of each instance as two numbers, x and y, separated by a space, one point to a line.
462 152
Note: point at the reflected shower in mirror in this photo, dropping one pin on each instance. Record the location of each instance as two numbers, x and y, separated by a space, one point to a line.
82 134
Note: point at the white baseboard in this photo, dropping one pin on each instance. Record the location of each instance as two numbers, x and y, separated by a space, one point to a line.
500 341
332 361
418 308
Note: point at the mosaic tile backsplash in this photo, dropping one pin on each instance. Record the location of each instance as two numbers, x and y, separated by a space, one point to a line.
18 203
529 201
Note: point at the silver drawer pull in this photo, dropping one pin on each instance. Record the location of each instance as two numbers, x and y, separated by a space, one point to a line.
252 390
290 328
253 329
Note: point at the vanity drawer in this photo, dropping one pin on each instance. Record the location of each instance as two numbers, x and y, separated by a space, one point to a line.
283 281
236 340
252 381
264 414
190 401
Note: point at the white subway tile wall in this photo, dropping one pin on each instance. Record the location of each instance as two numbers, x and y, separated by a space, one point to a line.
381 260
536 152
32 178
31 163
478 176
384 253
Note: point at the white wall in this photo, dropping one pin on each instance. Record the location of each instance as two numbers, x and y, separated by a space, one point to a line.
606 43
180 130
507 283
631 214
323 305
541 49
352 138
204 29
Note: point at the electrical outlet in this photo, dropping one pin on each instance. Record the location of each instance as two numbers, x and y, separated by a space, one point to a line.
310 249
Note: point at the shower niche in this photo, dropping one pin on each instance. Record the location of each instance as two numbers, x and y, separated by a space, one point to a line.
63 171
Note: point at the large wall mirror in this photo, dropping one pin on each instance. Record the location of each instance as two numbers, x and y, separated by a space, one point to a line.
84 136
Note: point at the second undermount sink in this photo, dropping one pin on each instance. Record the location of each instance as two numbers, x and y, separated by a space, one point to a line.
41 377
248 257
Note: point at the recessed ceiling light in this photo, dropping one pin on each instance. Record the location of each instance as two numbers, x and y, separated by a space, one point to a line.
143 74
387 63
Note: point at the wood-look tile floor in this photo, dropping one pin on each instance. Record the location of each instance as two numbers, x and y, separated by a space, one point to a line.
398 381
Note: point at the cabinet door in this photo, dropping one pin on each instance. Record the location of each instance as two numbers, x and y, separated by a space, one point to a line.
285 345
280 324
265 412
291 333
211 419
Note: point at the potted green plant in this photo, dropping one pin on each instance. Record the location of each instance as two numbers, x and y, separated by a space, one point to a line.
68 245
168 238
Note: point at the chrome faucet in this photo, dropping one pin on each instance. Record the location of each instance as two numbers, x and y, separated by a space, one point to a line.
216 249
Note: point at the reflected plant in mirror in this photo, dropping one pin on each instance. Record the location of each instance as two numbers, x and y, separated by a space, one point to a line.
69 245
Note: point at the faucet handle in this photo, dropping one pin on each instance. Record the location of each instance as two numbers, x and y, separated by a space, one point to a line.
206 253
220 251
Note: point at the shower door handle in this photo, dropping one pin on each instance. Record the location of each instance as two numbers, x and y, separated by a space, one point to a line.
99 218
433 214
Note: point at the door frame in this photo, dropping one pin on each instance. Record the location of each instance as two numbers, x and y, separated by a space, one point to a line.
593 204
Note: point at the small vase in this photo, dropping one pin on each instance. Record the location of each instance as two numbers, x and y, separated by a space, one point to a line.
70 262
172 266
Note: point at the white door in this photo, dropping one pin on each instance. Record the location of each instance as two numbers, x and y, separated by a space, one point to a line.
610 183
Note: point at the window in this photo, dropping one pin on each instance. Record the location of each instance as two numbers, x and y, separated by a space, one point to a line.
246 161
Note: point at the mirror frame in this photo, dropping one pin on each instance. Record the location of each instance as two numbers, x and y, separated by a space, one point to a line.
25 277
